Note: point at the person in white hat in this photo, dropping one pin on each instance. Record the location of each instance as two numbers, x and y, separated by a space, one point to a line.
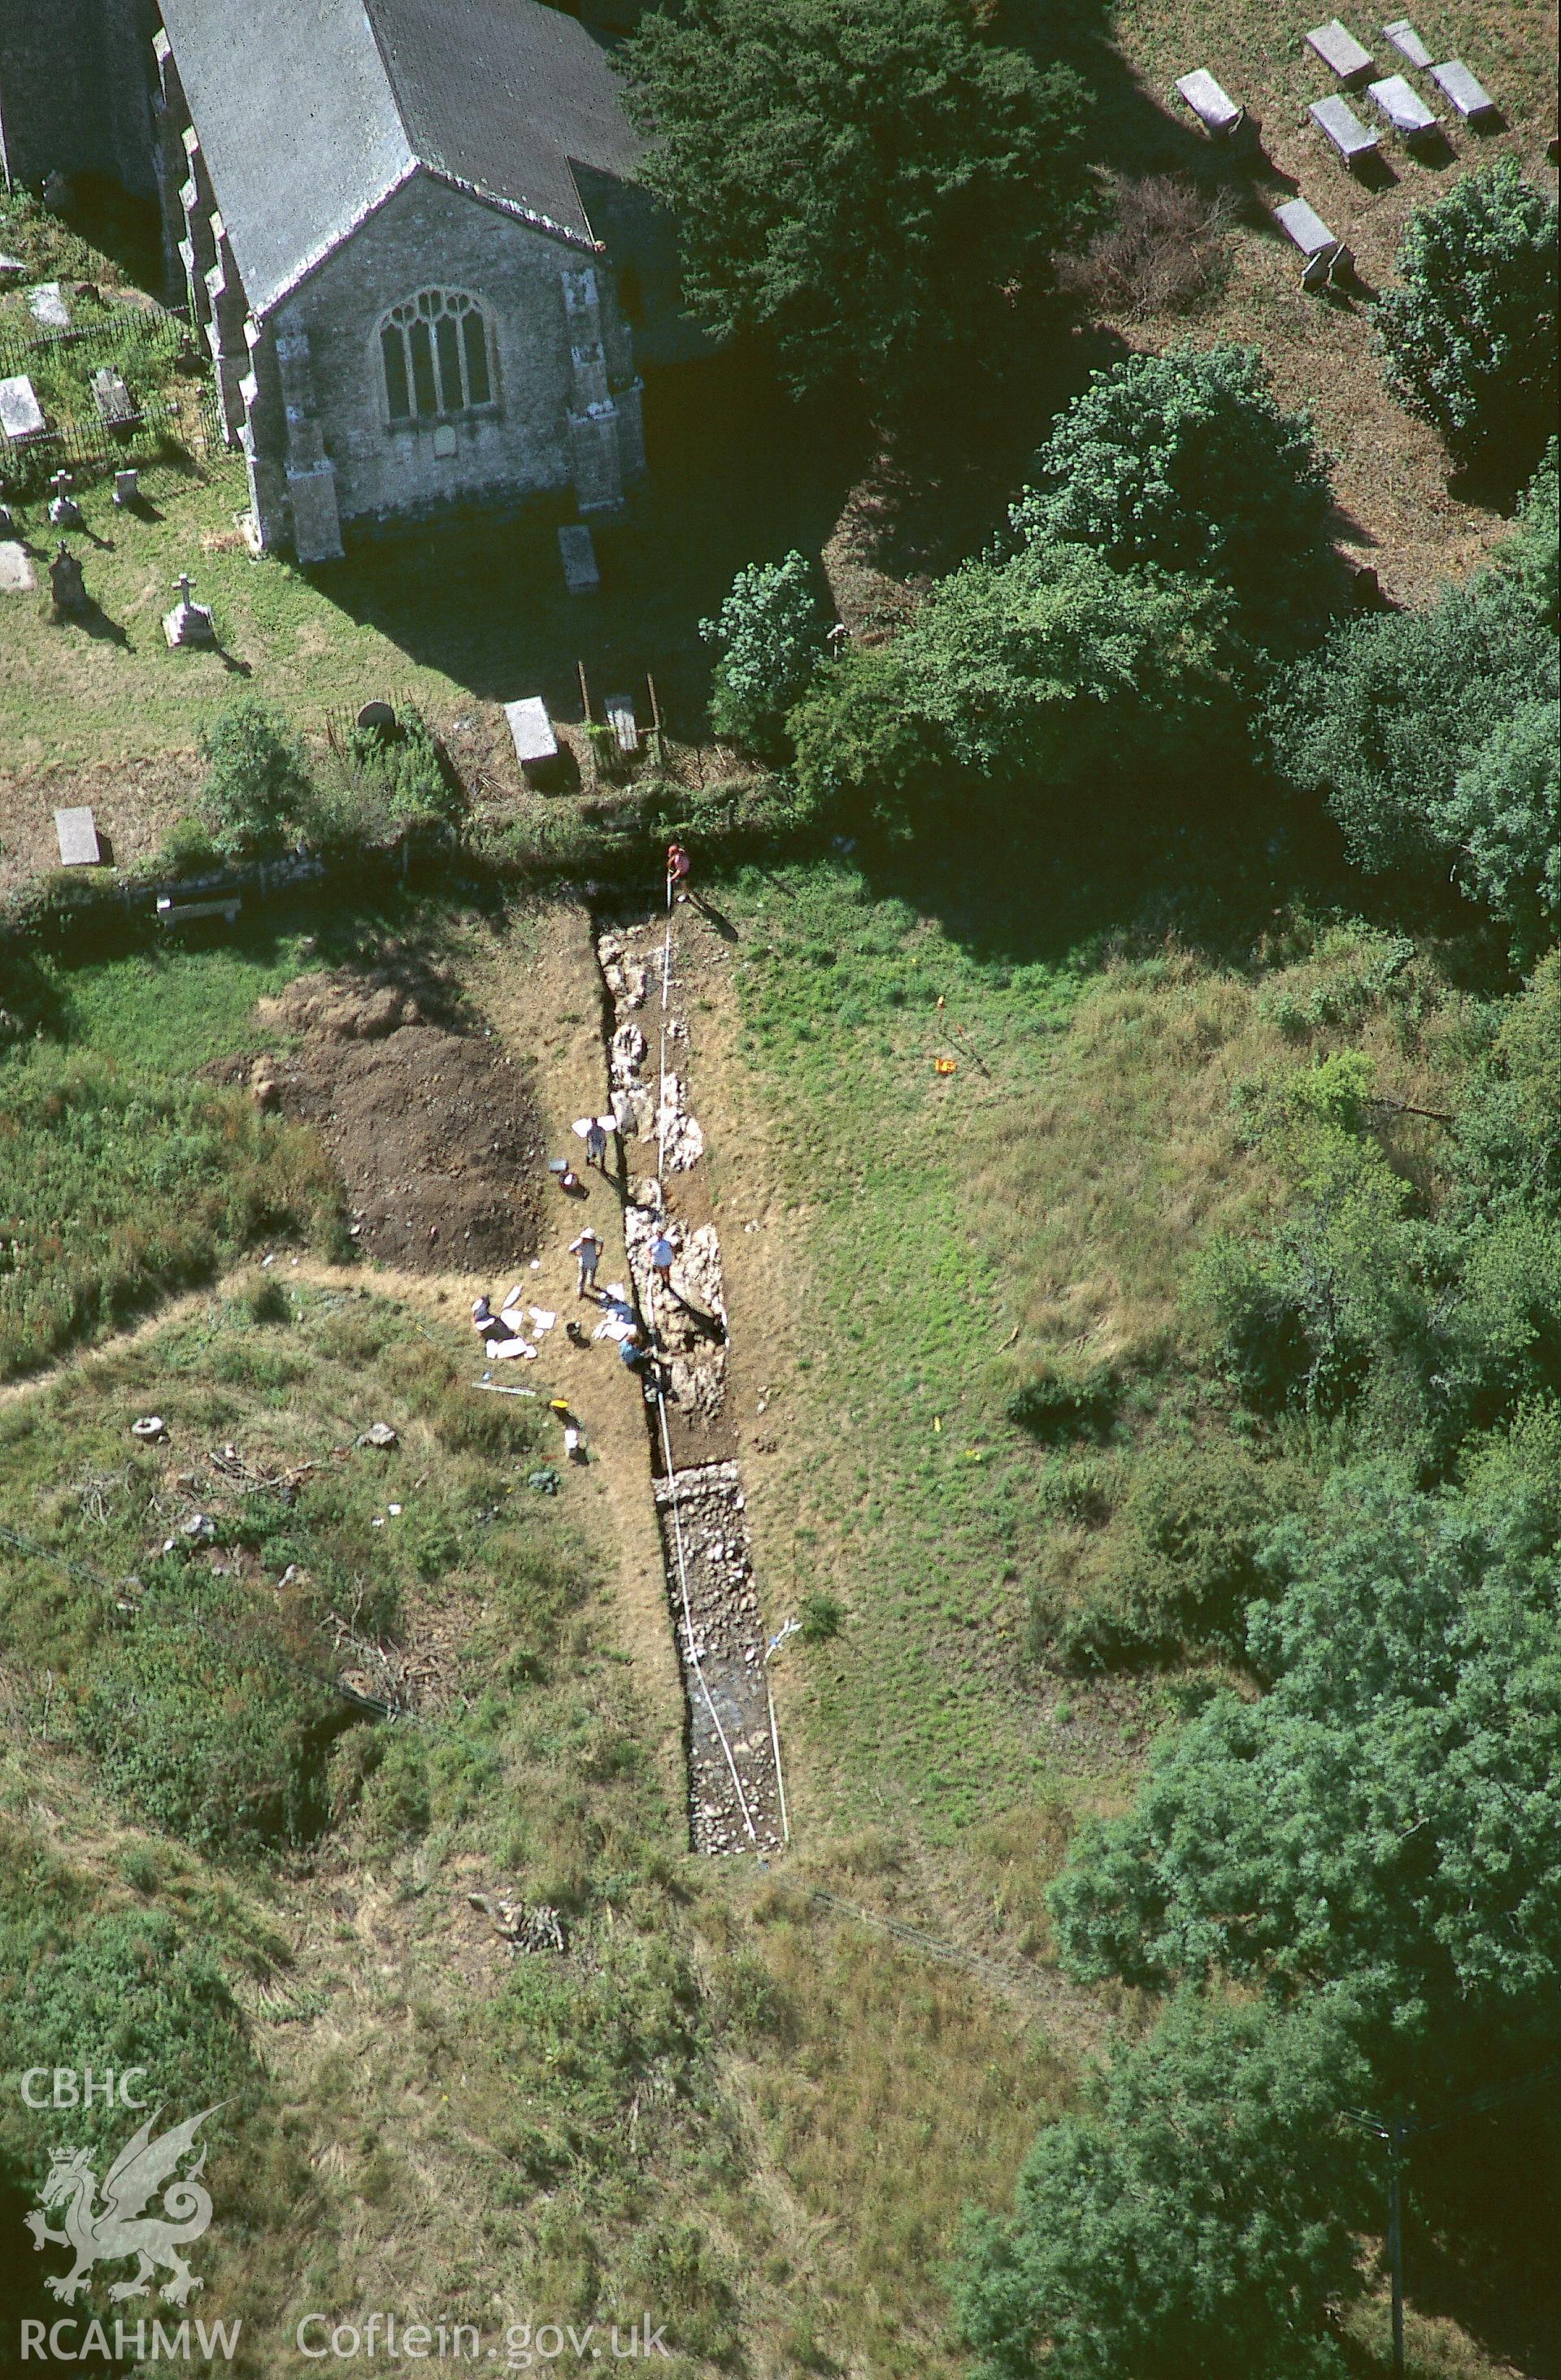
587 1249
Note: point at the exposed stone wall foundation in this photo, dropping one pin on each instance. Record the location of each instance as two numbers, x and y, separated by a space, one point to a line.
736 1788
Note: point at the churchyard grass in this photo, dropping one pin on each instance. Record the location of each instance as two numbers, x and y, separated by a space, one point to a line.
463 610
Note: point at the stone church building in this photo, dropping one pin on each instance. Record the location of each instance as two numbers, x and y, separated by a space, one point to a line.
410 230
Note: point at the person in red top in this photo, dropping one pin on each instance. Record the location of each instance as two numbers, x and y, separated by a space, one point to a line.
678 865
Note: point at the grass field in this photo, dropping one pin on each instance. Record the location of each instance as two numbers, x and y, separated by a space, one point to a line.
970 1130
121 1174
1043 1204
726 2102
711 2106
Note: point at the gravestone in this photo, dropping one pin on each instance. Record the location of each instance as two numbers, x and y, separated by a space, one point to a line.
21 416
1344 128
116 405
536 746
1339 49
1213 107
18 576
1468 94
68 587
577 552
1403 106
1304 226
64 510
47 307
126 488
619 708
1408 42
188 622
77 832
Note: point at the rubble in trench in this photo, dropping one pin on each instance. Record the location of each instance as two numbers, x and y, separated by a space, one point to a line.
721 1643
727 1649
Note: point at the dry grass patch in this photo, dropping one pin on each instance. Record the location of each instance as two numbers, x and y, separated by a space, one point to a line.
1165 253
1102 1191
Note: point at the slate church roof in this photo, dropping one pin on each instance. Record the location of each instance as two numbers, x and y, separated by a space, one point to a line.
311 112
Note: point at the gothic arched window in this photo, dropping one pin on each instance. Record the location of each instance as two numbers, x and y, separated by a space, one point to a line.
435 354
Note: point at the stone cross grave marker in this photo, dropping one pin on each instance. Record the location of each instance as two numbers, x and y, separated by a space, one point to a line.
64 510
188 622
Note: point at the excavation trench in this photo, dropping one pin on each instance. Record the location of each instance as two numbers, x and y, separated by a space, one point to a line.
735 1790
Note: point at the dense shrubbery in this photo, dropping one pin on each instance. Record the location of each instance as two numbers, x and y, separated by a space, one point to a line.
1186 462
1179 1564
1424 1328
1162 252
261 792
1196 2216
258 785
395 779
1470 334
1427 732
211 1717
859 185
90 1984
1056 1407
94 1981
1046 671
769 637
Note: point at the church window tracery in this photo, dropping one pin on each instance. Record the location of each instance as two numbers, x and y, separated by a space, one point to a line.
435 354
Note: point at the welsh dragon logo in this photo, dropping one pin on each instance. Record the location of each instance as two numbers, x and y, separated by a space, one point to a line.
117 2227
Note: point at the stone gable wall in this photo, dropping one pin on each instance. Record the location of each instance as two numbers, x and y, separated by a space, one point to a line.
427 236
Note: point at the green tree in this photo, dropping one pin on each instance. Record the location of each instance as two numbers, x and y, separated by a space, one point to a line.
1382 1822
769 635
1470 334
860 742
1530 557
1049 670
1503 819
257 781
861 181
1427 730
1385 716
1506 1135
1196 2217
1185 461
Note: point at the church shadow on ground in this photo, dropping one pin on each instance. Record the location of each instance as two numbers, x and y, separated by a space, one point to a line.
739 474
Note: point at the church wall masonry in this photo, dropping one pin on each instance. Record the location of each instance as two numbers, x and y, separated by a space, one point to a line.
427 236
